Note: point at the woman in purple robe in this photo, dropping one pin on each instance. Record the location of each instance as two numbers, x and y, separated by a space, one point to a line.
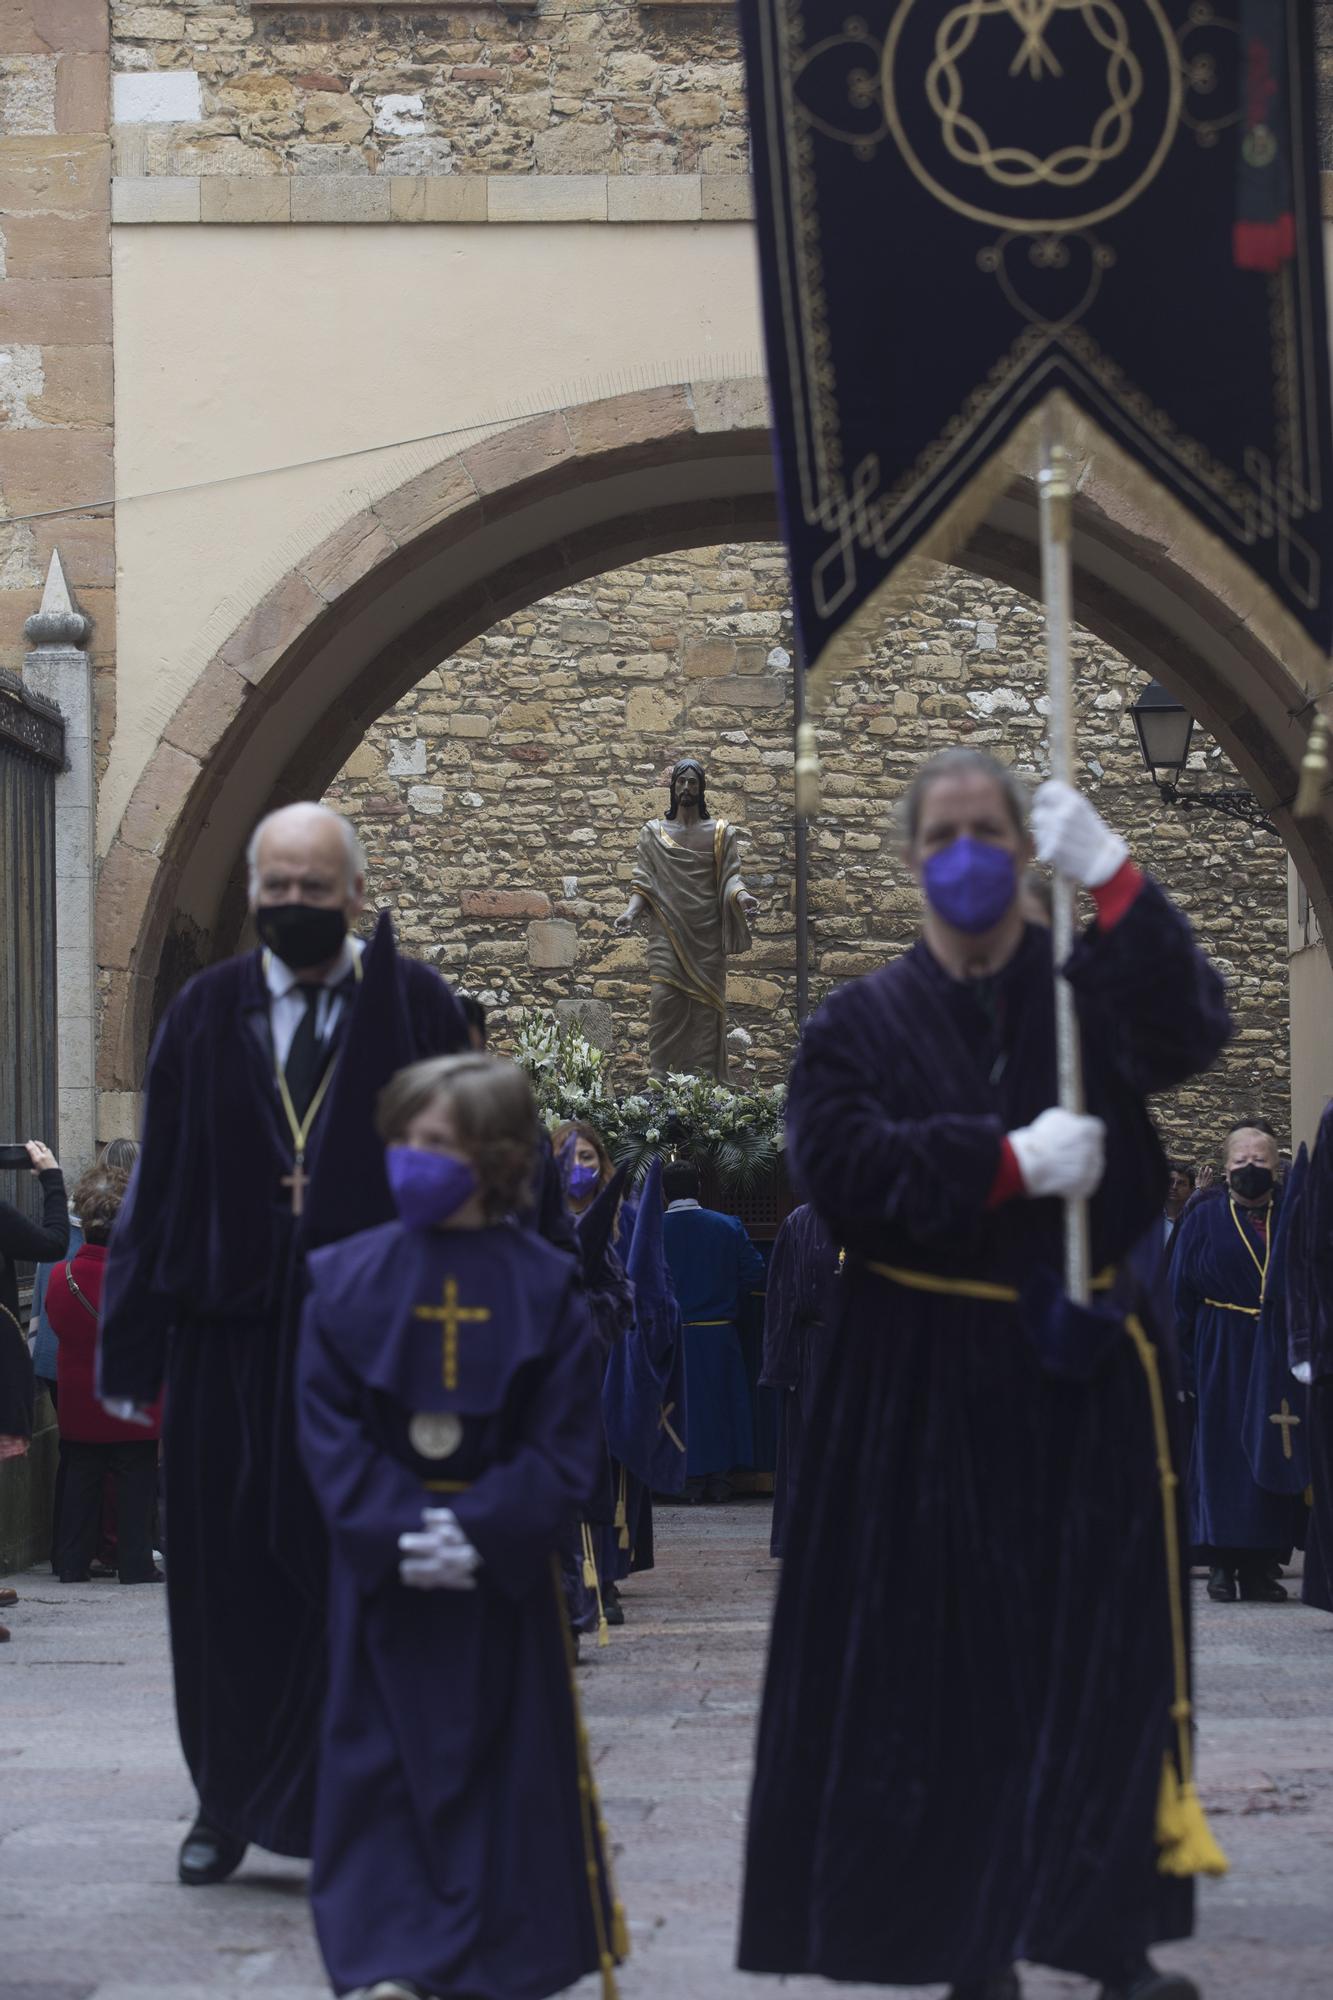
974 1745
451 1429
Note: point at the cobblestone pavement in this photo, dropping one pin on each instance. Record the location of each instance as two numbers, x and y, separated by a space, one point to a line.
94 1798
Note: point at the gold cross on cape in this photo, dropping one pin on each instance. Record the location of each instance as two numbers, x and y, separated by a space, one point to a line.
451 1315
1287 1421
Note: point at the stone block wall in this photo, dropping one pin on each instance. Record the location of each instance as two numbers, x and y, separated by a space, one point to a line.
578 87
500 800
55 317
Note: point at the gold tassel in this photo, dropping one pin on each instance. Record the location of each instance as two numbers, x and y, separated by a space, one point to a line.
807 771
609 1987
1186 1840
1314 770
619 1932
594 1584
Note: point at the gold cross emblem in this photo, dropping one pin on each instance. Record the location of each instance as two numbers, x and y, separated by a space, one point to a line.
451 1316
298 1180
1288 1421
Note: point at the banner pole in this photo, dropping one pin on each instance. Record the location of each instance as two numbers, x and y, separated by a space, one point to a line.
802 911
1056 490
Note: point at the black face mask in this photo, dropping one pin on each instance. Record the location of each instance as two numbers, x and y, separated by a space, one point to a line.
1251 1183
301 934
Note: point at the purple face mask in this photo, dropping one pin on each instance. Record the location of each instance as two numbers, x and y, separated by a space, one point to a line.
428 1187
971 883
581 1181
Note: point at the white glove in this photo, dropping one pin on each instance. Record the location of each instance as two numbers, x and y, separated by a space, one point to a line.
438 1556
1304 1373
1071 836
1061 1153
126 1411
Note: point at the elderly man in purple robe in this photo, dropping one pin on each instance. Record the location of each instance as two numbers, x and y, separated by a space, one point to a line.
974 1745
258 1145
1220 1270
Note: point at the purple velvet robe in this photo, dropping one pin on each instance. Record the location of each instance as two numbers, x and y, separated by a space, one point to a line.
1310 1339
968 1693
203 1290
455 1842
805 1261
1215 1278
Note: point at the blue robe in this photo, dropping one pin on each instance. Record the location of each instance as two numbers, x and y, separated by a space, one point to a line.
804 1264
643 1398
1216 1284
970 1680
203 1289
456 1839
713 1265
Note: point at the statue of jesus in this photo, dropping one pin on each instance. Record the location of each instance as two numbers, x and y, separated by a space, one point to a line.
687 877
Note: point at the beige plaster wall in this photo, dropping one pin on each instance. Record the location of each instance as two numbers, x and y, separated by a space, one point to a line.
334 341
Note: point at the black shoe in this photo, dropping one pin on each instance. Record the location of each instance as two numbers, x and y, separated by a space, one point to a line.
613 1611
1257 1587
75 1576
1149 1984
153 1576
1001 1986
1222 1586
208 1856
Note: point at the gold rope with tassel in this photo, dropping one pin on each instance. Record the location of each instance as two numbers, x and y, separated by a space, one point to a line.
1186 1843
1314 770
594 1584
596 1841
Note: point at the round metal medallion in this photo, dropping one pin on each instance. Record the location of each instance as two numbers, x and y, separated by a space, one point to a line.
435 1433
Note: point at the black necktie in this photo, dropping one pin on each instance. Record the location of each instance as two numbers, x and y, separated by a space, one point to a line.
305 1058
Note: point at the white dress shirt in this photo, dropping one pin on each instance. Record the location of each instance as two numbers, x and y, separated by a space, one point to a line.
286 1005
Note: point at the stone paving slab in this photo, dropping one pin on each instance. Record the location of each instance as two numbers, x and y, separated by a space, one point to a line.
94 1797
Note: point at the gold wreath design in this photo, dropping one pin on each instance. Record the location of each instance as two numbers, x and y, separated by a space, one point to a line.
1015 166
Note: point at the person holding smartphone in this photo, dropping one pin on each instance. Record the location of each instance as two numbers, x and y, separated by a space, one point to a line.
24 1241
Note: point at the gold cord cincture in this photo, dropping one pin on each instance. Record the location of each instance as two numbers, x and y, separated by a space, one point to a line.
298 1180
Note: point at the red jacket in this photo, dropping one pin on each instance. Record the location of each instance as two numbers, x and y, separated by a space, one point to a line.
74 1323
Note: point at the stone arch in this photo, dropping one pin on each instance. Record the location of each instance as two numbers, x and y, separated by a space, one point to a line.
549 502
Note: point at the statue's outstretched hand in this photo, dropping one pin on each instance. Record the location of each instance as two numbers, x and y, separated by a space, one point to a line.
624 923
749 904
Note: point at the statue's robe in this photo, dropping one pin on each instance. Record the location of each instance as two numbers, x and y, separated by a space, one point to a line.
804 1265
713 1265
1216 1284
695 922
203 1291
970 1681
1310 1341
455 1844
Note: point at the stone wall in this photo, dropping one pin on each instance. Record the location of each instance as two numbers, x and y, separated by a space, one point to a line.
55 317
500 800
580 87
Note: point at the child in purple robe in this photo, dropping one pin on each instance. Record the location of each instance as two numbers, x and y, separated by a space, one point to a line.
451 1428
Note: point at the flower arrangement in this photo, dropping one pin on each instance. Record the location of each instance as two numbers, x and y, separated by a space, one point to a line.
737 1134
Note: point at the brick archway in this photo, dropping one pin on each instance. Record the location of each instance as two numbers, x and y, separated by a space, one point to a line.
405 583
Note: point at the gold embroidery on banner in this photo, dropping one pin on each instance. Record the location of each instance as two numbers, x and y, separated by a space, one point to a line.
1081 168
